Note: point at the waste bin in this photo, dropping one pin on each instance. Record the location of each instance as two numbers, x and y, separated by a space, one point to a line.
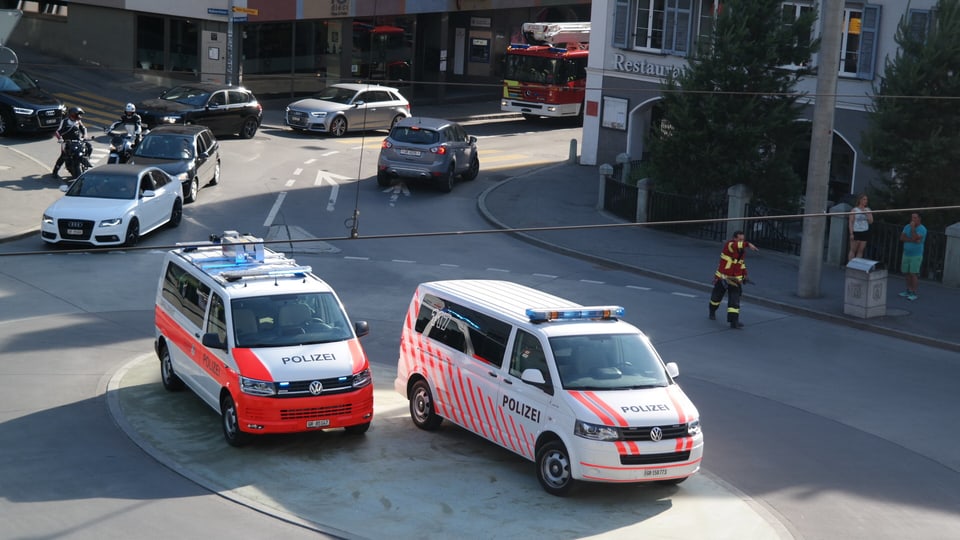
866 289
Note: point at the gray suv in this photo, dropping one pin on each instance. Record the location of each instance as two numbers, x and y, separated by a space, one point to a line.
432 150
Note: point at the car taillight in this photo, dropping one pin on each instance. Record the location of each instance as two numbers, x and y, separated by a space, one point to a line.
439 150
386 144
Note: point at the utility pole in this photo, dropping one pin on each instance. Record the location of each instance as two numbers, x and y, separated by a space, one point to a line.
821 148
229 43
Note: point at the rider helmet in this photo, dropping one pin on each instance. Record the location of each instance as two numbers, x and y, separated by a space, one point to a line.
75 112
130 109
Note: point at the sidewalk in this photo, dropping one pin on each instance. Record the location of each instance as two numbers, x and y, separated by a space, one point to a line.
565 195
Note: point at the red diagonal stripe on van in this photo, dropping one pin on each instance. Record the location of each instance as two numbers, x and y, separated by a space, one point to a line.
616 418
357 355
671 392
474 392
250 365
579 396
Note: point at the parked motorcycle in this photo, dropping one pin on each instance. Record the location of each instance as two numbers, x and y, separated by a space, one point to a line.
122 138
76 156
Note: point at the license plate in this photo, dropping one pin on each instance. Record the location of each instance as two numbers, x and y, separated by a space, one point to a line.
49 121
654 473
405 152
317 423
75 232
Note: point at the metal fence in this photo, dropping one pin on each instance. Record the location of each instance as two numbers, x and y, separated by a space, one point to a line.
885 246
672 207
620 199
777 234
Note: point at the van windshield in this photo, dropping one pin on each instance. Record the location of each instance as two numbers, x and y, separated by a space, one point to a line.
288 319
607 362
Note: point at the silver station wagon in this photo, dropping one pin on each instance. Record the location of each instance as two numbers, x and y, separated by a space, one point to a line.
345 107
431 150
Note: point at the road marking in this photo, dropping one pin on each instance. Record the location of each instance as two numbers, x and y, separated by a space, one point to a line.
334 188
498 270
448 265
309 161
404 261
685 295
591 281
276 208
357 258
330 153
395 191
290 183
639 288
548 276
297 171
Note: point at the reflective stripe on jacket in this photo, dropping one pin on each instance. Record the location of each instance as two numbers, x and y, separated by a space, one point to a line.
732 267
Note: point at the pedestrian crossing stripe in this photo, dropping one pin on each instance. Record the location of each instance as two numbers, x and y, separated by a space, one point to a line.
97 111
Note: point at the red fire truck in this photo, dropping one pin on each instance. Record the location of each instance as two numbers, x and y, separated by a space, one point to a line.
547 75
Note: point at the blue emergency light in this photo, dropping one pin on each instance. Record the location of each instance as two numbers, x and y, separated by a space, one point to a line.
573 314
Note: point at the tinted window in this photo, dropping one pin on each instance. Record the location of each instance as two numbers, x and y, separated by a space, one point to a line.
464 329
414 135
185 293
237 96
220 98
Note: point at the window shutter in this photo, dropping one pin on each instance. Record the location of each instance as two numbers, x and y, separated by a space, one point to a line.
621 24
868 42
918 22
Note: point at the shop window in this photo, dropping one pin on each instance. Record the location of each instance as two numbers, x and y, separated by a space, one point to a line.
150 42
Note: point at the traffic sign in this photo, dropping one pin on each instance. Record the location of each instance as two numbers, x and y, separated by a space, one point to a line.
248 11
217 11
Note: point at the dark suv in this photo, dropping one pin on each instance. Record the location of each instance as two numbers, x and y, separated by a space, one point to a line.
26 107
190 154
226 110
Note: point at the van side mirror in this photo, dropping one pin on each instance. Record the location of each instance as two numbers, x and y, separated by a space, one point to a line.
673 370
362 328
213 341
532 376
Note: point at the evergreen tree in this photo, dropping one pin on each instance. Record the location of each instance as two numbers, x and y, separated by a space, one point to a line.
914 131
731 116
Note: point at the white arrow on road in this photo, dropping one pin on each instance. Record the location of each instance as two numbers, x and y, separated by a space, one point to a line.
334 181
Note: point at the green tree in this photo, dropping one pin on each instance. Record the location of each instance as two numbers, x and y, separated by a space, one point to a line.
730 117
914 130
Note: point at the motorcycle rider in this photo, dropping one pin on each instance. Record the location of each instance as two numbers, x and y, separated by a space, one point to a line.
130 117
71 129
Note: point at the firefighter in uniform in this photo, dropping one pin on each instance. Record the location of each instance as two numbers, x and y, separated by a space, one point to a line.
729 279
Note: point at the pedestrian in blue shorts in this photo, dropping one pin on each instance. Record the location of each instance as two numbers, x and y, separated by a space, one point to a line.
912 236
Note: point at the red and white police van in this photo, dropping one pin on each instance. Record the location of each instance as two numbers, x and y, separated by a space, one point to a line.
573 388
261 339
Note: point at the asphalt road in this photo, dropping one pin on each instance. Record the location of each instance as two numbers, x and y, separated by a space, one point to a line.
830 431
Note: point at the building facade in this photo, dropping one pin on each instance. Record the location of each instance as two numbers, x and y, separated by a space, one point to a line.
635 44
292 46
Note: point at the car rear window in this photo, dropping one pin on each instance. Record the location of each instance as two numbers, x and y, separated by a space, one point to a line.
414 135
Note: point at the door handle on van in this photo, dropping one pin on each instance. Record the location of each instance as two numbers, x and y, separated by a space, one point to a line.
492 374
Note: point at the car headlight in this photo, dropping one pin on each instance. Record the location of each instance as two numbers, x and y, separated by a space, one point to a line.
693 428
47 219
318 114
362 379
23 111
596 432
170 119
257 388
111 222
183 177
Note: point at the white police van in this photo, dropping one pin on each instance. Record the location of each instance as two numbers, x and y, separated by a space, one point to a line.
575 389
260 339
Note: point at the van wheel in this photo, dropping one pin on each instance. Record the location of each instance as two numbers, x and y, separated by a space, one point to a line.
231 426
553 469
168 377
421 407
358 429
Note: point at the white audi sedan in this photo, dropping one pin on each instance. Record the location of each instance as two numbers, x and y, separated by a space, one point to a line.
113 205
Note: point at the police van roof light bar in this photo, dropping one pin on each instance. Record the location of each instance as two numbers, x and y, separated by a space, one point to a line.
237 275
573 314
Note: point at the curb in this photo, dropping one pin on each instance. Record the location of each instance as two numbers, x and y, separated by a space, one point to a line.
766 302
